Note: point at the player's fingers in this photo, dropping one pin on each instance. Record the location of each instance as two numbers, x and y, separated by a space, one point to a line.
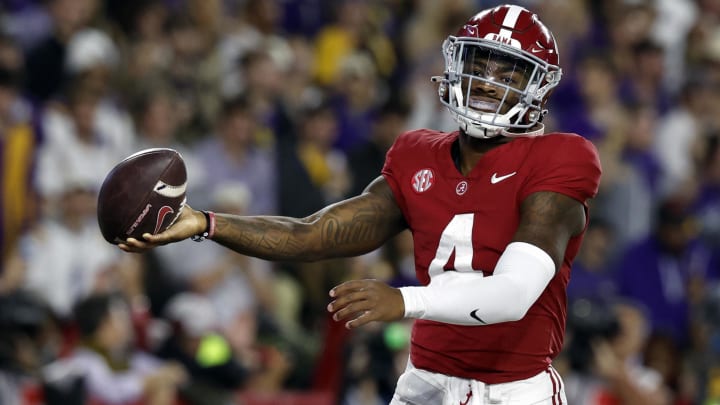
130 249
139 245
160 238
344 299
133 245
351 309
348 286
362 319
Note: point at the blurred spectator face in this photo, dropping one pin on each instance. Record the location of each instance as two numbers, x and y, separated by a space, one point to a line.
700 99
596 246
302 58
158 120
353 15
78 204
8 95
358 80
82 110
321 128
641 131
263 75
98 78
11 57
675 228
650 62
206 13
264 14
597 81
115 331
238 128
634 22
150 21
674 237
187 41
71 15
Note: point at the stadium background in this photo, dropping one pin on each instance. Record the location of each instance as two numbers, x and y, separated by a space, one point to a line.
284 106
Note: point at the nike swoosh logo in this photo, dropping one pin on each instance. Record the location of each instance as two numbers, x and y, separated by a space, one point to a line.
162 213
497 179
473 314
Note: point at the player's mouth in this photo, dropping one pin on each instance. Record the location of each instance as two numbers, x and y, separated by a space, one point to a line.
483 105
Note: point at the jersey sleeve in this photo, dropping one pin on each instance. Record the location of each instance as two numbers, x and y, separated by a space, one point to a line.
392 170
566 164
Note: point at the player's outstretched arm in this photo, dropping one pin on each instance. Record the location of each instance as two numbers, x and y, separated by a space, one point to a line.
348 228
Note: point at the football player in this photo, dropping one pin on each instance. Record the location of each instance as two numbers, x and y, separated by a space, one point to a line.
497 211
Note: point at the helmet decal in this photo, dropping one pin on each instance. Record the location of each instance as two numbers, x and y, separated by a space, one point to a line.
505 34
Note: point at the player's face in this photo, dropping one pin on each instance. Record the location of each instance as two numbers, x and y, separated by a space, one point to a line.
485 75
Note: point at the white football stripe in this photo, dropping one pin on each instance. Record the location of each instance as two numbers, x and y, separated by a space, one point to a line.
510 20
169 191
512 16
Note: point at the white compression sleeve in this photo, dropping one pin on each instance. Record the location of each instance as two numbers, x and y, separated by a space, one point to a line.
467 298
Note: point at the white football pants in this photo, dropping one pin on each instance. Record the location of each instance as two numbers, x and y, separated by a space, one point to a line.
421 387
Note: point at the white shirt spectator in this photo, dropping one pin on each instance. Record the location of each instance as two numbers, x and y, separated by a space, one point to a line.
63 156
234 294
104 384
676 135
62 265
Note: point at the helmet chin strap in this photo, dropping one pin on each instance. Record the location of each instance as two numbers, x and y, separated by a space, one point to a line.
479 129
539 130
486 131
482 132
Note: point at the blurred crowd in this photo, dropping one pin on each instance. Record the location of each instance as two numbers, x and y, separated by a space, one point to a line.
283 106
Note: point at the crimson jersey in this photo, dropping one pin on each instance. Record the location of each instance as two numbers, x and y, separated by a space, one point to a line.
464 223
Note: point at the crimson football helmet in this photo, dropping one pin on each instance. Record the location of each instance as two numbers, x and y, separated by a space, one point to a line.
500 68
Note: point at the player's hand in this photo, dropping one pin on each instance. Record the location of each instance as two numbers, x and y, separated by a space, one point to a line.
189 223
364 301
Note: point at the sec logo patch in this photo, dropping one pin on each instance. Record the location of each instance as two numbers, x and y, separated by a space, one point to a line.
423 180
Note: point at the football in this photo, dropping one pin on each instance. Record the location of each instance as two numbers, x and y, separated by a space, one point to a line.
144 193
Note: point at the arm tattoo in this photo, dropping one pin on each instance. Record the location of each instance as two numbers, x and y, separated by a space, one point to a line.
335 233
548 220
348 228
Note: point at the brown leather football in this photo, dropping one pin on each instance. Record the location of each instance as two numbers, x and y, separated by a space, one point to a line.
142 194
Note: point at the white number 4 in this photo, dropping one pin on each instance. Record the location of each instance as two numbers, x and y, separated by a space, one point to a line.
457 236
